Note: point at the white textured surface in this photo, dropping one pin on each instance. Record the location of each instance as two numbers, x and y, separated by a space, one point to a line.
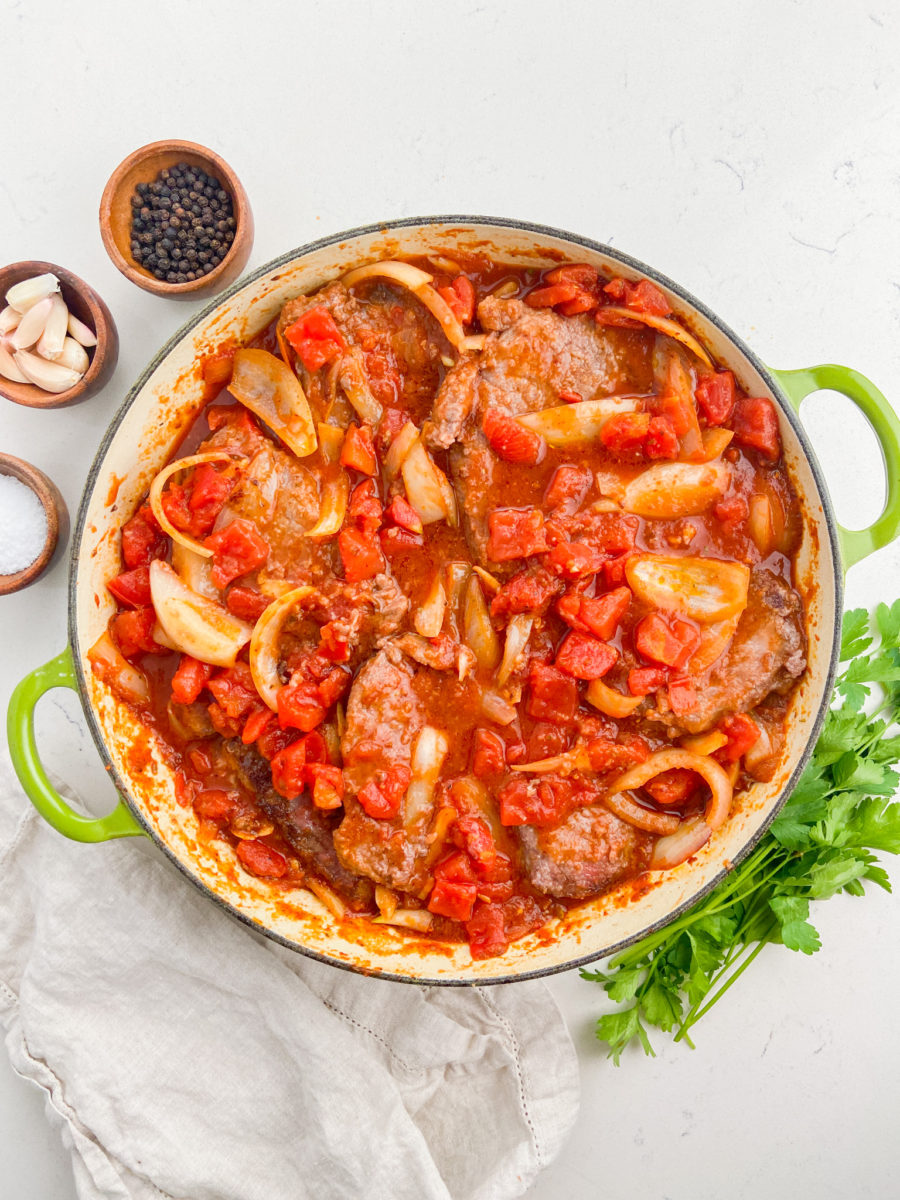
750 152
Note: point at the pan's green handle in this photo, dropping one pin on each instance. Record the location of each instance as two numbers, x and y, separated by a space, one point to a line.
857 544
58 672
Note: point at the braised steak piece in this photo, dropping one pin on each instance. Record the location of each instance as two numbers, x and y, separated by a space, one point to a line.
587 853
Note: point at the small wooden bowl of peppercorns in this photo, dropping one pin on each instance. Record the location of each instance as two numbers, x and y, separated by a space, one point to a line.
175 220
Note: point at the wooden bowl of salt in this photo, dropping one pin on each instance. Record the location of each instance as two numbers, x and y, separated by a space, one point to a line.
34 522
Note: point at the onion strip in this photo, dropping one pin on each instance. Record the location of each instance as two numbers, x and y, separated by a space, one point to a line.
335 497
427 487
428 757
418 919
574 424
352 377
664 325
195 624
635 814
156 492
610 702
518 631
668 760
404 441
480 635
111 666
264 643
573 760
676 847
419 283
429 616
271 390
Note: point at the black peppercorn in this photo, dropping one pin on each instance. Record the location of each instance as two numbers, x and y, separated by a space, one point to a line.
182 224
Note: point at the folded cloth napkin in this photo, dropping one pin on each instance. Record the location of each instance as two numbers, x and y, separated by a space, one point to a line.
186 1058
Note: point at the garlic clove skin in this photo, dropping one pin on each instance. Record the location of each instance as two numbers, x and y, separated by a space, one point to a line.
9 319
32 324
8 368
49 376
80 332
74 356
29 292
51 341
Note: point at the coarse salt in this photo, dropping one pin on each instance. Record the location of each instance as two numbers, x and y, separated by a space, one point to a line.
23 525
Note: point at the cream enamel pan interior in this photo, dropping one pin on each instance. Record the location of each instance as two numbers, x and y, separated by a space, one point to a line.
146 430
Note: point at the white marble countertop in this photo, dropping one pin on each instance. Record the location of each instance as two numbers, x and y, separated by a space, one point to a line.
749 151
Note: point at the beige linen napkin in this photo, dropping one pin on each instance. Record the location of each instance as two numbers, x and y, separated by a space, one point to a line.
185 1057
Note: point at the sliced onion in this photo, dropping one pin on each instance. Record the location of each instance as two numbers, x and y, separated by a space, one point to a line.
680 845
676 489
111 666
197 625
194 570
419 283
668 760
387 900
610 702
491 582
705 589
761 749
705 743
404 441
573 760
457 575
635 814
759 523
327 896
156 492
480 635
674 377
518 631
664 325
574 424
497 709
335 497
428 757
714 442
714 641
331 439
429 617
264 643
419 919
352 376
269 388
426 485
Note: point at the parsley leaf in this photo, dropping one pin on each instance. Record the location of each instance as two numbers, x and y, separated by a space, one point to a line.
824 840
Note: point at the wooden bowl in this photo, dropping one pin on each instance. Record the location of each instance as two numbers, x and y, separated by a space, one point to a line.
85 304
143 166
57 521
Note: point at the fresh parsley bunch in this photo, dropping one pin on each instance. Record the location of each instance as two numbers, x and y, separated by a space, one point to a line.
825 840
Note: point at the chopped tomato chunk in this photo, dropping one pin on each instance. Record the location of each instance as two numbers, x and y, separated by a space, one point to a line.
360 555
755 424
451 899
549 297
572 560
327 785
132 587
190 679
600 615
315 338
584 656
300 706
489 754
460 296
531 591
234 690
644 680
552 696
545 740
399 541
516 533
668 641
661 440
486 931
381 796
358 450
583 275
246 603
606 754
260 859
731 511
742 733
539 802
625 432
673 787
642 296
682 695
256 722
237 549
402 513
289 770
142 539
715 395
215 804
569 486
133 631
365 507
510 440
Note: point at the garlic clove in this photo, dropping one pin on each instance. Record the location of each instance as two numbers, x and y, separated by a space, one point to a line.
49 376
50 343
74 356
29 292
8 368
9 319
80 332
32 324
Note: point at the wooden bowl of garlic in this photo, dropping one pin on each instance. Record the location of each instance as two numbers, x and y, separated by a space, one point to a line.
58 340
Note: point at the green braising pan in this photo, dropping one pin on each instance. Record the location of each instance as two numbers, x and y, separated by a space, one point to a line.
143 435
